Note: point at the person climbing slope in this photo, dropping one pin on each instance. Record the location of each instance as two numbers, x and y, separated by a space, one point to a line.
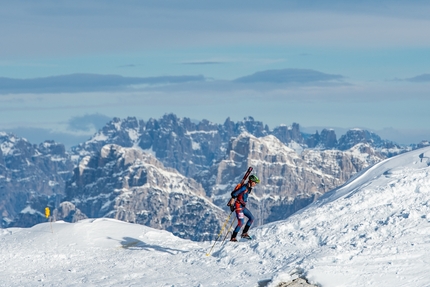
241 196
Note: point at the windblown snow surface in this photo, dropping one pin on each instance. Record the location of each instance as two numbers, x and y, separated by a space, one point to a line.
372 231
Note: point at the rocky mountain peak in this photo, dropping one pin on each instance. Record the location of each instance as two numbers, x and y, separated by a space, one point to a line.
328 138
287 134
253 127
30 177
131 185
356 136
52 148
289 181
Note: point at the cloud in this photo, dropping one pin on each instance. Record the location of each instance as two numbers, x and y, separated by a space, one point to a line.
202 63
78 83
290 76
128 66
419 79
75 83
88 122
38 135
78 129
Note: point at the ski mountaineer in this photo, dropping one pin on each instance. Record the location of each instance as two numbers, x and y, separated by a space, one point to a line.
241 196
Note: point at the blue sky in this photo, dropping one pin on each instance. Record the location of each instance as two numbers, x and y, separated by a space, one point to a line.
68 66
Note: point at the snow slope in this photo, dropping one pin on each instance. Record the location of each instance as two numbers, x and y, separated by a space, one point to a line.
373 231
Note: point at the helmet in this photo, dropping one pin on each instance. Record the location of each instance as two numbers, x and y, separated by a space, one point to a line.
254 178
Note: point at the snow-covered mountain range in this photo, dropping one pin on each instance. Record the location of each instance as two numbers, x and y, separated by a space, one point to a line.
194 147
374 230
207 158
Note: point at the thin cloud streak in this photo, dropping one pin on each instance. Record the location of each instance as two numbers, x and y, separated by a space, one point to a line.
299 76
203 63
87 122
76 83
419 79
38 135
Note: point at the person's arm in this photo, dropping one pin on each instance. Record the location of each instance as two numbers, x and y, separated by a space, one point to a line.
239 191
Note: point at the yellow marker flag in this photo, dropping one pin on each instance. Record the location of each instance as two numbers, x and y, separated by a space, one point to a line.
47 212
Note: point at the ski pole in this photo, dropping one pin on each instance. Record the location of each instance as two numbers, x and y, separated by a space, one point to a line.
228 231
219 234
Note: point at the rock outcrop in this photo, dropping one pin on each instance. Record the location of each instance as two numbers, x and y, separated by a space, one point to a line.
289 181
131 185
31 177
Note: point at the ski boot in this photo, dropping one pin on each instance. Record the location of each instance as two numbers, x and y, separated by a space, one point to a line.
246 236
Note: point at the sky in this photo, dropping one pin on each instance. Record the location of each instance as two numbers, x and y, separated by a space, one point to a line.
67 68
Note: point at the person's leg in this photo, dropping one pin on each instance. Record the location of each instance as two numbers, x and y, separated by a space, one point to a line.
240 220
251 218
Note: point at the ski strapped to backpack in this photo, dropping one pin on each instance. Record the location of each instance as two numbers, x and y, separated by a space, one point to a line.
231 201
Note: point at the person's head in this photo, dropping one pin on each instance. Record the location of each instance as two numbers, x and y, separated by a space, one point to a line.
253 180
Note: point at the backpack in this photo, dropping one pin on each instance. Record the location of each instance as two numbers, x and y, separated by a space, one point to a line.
230 203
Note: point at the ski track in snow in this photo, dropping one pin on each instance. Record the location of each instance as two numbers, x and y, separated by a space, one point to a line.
372 231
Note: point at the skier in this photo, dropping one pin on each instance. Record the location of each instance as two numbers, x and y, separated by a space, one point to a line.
241 196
